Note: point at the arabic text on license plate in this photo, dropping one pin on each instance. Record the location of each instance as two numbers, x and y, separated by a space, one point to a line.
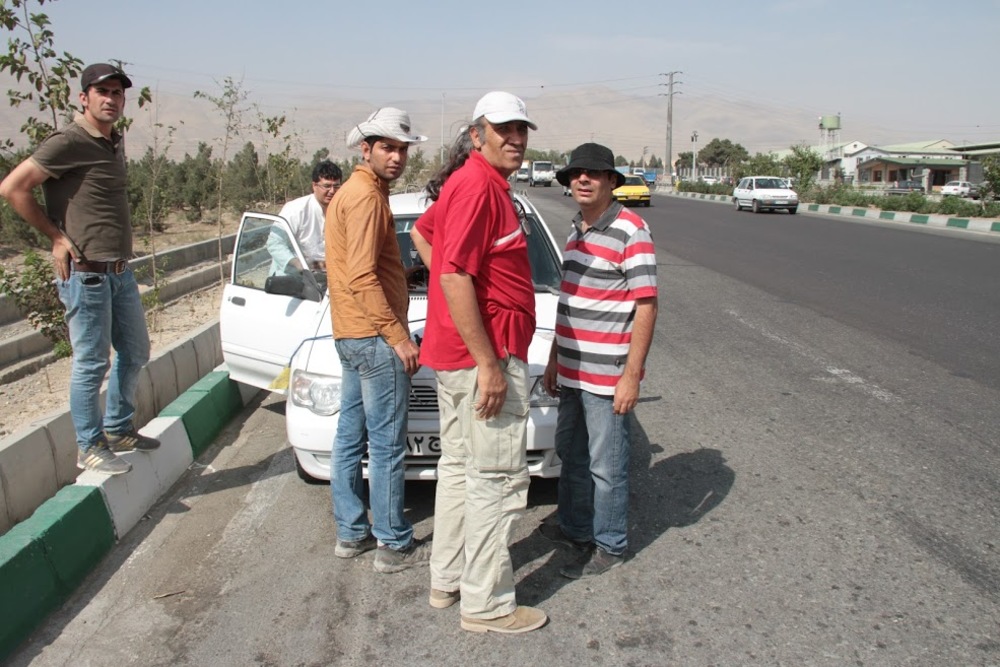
781 201
423 444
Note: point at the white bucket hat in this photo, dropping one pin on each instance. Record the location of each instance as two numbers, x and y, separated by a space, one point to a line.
387 122
500 107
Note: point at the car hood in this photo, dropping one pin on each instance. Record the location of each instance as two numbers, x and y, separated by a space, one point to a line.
319 355
776 193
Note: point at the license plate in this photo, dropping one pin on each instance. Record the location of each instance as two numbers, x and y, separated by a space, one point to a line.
423 444
781 201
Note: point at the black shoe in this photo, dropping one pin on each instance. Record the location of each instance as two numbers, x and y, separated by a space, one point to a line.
345 549
389 560
131 441
552 532
595 563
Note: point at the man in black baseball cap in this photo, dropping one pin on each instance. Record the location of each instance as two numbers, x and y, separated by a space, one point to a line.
98 72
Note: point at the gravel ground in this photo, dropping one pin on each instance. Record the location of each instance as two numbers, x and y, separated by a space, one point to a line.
47 391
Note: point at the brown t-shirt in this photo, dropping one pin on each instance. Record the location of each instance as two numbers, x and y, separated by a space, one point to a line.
365 275
85 193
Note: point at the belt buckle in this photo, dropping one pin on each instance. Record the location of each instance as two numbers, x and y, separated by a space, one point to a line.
119 266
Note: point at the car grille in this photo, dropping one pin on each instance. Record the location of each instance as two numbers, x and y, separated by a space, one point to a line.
423 398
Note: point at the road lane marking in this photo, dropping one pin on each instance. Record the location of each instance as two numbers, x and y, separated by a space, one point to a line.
835 373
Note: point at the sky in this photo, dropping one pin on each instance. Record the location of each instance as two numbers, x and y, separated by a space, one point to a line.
760 73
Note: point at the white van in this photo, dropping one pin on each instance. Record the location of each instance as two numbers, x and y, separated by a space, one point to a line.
541 173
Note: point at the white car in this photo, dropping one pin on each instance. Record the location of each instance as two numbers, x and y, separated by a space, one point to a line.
764 193
709 180
960 189
270 320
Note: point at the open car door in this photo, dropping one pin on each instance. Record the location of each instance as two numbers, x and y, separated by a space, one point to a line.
270 305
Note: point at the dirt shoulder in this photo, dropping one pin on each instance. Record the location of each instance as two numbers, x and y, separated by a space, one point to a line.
47 390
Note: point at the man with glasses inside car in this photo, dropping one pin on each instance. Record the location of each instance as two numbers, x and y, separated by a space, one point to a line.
306 216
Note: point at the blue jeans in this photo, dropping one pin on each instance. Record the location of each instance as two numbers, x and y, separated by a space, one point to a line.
373 404
103 310
593 443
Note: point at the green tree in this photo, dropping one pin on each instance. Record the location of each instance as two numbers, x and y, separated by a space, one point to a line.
990 187
684 160
231 105
620 161
192 182
761 164
242 186
417 171
31 55
803 165
722 153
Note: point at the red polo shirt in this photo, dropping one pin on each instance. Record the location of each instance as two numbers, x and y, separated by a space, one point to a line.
474 228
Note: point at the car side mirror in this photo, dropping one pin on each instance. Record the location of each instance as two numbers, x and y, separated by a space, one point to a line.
302 285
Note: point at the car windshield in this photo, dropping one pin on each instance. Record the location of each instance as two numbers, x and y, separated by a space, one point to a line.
634 180
770 183
543 166
545 268
953 183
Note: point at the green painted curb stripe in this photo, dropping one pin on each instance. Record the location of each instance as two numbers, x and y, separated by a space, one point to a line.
961 223
920 219
834 209
44 557
995 227
862 212
206 408
812 207
887 215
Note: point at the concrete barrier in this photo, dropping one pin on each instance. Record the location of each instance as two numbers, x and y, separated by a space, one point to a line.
47 447
928 220
171 260
45 556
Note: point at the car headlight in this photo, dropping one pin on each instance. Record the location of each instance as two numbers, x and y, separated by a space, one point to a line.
540 398
318 393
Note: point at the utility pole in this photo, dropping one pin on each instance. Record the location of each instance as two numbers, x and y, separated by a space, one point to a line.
669 165
442 128
694 157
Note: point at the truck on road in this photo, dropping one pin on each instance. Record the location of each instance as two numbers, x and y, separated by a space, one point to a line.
541 173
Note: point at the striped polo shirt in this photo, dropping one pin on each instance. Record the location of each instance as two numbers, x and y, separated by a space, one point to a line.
605 270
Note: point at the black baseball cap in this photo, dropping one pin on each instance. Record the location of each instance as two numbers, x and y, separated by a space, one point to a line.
94 74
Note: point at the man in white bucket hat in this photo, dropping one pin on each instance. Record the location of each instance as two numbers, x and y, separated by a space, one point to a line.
480 322
368 304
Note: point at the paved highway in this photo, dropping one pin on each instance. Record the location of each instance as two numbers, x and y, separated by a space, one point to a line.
814 483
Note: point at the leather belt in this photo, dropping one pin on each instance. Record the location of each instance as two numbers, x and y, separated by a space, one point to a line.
117 266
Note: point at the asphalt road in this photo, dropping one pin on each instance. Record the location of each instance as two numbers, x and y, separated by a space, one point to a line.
814 483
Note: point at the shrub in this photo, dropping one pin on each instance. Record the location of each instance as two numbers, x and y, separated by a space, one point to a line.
34 291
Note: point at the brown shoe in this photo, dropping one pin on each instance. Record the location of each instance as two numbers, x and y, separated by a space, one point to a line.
523 619
443 599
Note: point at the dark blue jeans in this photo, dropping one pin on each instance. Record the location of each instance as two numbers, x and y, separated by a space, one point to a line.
593 443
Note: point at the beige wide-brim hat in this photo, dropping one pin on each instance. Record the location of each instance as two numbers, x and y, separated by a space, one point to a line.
387 122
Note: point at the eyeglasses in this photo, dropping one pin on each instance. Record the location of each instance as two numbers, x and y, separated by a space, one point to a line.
577 173
327 187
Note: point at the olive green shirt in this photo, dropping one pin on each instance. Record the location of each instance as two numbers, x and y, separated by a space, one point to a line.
85 194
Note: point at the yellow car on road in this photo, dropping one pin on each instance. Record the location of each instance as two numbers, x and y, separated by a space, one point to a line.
633 191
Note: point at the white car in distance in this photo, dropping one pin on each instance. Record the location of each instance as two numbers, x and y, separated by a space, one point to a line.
765 193
273 317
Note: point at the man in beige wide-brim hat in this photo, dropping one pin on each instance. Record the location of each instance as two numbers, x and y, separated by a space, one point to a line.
368 304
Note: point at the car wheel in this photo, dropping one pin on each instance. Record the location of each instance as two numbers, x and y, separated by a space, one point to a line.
755 207
793 210
646 204
303 475
736 203
548 184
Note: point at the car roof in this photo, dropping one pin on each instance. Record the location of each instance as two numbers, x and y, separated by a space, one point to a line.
415 203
